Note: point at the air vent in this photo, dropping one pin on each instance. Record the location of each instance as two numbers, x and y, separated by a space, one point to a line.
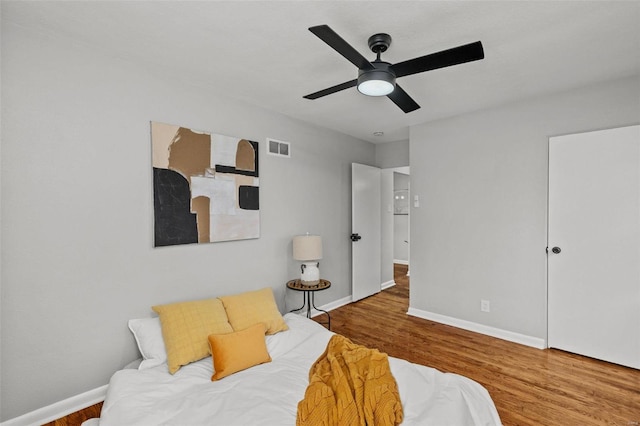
279 148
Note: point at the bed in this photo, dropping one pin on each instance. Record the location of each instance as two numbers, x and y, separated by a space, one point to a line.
268 394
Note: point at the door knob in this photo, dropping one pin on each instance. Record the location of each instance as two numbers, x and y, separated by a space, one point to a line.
556 250
355 237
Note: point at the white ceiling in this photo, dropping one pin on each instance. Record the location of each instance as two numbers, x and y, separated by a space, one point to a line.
263 54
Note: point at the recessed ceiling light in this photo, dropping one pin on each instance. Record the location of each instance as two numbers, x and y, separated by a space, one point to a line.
378 133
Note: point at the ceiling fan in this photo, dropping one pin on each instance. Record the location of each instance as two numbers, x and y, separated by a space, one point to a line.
378 78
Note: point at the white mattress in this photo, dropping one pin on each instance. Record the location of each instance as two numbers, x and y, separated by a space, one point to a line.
268 394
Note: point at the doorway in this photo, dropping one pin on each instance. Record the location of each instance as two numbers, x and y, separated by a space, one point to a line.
401 204
365 208
399 240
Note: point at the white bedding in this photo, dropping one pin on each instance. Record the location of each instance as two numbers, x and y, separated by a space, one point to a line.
268 394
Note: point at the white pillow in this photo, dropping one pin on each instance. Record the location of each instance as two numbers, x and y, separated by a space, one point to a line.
300 330
148 334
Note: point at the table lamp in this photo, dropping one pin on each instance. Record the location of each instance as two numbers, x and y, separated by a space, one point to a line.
308 249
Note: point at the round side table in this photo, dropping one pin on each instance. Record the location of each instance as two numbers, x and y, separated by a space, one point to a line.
308 296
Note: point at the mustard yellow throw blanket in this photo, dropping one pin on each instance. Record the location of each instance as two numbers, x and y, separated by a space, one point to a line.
350 385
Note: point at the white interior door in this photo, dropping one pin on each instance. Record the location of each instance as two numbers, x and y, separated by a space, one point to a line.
594 244
366 230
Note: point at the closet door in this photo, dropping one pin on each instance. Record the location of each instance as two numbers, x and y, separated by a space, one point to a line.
594 244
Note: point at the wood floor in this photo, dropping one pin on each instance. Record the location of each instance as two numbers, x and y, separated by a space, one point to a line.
76 419
529 386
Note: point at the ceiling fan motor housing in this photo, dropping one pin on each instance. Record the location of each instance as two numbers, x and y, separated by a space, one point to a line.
379 43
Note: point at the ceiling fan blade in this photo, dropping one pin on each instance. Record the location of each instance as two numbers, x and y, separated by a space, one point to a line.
403 100
330 37
445 58
331 90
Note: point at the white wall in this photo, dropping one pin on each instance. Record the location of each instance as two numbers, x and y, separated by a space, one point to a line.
480 232
77 212
392 154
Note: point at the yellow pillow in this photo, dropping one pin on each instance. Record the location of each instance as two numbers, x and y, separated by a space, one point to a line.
238 351
185 327
252 307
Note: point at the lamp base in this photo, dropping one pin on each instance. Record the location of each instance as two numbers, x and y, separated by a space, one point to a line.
310 273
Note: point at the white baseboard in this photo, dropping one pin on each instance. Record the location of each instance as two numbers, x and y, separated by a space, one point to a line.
387 285
401 262
510 336
331 306
59 409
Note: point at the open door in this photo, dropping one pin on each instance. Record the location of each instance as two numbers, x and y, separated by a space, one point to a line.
365 230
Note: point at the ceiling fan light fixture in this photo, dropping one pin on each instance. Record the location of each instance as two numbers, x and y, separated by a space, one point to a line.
378 82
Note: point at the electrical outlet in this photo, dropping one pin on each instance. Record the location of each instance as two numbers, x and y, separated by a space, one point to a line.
485 306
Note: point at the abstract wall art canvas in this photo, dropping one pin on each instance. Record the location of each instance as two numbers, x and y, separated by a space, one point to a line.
205 186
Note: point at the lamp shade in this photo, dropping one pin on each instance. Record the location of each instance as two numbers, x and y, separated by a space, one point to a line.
307 247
